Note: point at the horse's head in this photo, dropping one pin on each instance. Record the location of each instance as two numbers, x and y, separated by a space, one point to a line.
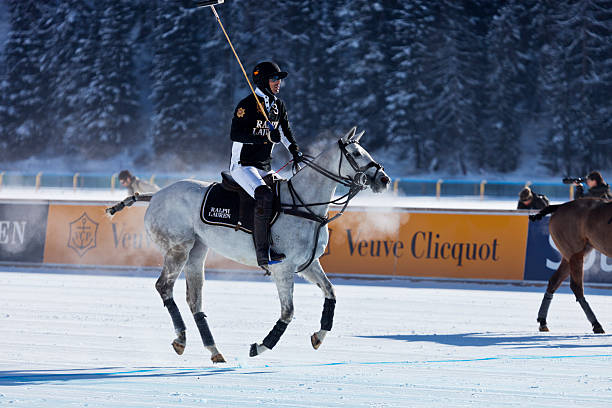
359 165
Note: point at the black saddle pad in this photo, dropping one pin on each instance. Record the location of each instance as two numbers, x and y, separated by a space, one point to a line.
229 209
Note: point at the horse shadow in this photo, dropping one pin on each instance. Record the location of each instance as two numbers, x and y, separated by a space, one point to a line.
490 339
21 377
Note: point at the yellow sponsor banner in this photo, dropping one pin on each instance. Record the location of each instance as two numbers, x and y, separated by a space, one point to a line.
469 246
83 234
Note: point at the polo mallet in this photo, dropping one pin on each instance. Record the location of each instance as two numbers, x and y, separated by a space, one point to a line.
211 4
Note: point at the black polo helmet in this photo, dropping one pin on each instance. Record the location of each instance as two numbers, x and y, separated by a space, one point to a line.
263 71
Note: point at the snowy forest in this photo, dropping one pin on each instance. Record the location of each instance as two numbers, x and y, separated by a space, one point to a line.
446 85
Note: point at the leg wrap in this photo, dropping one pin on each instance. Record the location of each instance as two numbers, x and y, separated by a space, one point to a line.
587 311
275 334
543 312
207 338
327 318
177 320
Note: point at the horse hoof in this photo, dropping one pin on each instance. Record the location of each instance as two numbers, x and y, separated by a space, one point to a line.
178 347
253 350
218 358
597 329
314 340
544 328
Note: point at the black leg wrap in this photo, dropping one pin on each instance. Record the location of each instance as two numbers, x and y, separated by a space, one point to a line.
207 338
587 311
275 334
177 320
543 312
327 318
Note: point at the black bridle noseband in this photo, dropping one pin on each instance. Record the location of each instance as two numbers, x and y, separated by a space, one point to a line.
355 184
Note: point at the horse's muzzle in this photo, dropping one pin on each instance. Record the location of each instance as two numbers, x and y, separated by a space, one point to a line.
380 183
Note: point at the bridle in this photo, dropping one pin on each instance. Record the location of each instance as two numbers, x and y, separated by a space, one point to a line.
355 184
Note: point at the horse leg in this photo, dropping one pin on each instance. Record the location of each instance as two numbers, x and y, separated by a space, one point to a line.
194 274
174 260
576 284
284 285
554 282
315 274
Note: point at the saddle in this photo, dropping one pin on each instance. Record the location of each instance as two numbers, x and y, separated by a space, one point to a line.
227 204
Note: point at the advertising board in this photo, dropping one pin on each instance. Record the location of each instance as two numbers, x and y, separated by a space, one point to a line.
83 234
22 232
543 258
470 246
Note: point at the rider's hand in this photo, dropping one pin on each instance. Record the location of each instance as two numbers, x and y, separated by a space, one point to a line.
295 152
275 136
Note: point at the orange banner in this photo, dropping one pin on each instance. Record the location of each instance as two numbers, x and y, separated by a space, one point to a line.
83 234
469 246
374 242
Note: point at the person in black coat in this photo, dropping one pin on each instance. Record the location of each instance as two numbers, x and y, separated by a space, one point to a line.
597 187
253 139
529 200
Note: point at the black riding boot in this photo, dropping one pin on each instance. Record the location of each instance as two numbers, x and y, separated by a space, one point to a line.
264 202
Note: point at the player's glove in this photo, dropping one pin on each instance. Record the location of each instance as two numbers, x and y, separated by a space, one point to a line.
295 152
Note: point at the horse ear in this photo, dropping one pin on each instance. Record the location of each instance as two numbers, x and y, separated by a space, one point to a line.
358 136
349 135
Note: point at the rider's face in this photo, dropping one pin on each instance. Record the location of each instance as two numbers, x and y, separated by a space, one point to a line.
275 84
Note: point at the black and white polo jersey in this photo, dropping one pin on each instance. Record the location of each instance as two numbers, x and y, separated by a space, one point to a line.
250 133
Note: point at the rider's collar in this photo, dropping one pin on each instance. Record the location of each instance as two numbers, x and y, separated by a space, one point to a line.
265 95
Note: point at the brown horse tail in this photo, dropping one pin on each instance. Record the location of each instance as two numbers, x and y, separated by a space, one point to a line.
544 211
127 202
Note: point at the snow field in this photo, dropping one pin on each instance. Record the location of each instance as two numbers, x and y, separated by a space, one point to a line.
104 341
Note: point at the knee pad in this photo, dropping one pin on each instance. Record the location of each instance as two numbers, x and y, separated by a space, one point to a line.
264 200
263 193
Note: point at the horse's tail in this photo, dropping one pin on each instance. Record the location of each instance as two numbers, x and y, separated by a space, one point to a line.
128 202
544 211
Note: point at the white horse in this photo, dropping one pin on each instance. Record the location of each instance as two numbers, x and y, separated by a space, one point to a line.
173 222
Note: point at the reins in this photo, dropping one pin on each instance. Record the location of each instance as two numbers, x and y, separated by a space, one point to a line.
355 184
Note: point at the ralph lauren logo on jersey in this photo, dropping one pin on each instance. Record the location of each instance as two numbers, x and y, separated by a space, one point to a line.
82 236
262 129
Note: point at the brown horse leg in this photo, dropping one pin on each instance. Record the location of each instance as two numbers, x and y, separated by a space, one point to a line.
576 284
554 282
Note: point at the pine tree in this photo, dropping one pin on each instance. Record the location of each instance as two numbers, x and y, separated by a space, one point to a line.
360 85
178 86
453 79
574 80
112 101
25 91
505 89
411 25
73 47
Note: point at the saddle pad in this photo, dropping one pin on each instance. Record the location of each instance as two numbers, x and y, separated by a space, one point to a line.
229 209
222 207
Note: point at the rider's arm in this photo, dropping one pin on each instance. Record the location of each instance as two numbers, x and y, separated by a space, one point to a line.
285 128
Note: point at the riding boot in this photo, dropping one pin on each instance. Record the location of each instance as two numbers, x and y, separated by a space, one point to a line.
264 201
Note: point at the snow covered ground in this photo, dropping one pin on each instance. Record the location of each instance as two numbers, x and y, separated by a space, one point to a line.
104 341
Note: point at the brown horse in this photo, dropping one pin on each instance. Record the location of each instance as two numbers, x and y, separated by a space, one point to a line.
576 227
